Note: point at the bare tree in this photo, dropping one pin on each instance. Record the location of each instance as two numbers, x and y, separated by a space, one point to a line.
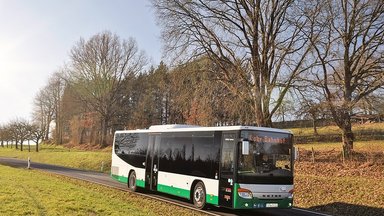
36 134
97 69
19 131
47 107
44 110
12 127
348 40
257 45
311 105
286 109
5 135
372 104
56 86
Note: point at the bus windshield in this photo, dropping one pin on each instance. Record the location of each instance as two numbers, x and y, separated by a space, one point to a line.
270 154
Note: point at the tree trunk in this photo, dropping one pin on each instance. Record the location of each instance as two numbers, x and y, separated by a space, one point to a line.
314 125
347 136
46 136
59 128
103 140
81 135
261 118
347 144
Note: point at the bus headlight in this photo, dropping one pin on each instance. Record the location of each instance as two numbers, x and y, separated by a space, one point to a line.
290 194
244 193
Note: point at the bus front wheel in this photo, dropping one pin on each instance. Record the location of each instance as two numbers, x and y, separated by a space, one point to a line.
132 181
199 195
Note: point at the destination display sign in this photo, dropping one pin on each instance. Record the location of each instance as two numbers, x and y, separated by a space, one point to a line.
267 139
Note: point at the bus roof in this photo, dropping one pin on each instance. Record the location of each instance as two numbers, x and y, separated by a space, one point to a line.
188 128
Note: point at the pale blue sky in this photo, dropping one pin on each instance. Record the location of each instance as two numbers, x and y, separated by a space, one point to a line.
37 35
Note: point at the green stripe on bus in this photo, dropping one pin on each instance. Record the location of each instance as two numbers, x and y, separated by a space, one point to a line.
210 198
174 191
123 179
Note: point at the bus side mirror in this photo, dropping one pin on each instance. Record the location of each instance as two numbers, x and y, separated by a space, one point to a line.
245 147
296 153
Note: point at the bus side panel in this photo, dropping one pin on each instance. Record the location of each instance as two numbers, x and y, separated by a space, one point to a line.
180 185
120 170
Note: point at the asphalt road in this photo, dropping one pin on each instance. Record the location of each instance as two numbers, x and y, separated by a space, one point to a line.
105 179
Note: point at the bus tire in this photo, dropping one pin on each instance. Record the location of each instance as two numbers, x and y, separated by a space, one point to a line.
132 181
199 195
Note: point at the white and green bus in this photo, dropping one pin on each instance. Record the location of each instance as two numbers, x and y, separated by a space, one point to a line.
237 167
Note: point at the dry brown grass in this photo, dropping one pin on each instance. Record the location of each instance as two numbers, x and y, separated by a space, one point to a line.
353 187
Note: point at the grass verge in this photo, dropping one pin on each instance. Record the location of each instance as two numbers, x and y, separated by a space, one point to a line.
31 192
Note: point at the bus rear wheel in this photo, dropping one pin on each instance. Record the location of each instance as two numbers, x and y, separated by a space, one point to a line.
132 181
198 195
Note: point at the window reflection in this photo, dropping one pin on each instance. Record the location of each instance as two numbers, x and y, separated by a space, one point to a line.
269 154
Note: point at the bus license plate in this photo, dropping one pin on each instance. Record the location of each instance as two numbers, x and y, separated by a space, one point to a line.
272 205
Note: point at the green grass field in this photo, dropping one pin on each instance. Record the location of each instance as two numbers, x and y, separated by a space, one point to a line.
59 155
31 192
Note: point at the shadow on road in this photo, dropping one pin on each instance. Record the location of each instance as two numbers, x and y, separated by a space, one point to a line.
339 208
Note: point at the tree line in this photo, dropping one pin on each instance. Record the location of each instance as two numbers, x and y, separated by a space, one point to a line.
234 62
17 131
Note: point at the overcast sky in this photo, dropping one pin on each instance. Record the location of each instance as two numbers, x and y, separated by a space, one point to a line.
37 35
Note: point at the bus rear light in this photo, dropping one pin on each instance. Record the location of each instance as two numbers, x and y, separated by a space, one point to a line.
244 193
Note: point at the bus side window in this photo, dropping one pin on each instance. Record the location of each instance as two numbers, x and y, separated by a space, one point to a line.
227 156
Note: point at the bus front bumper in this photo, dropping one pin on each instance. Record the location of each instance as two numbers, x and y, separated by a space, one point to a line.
241 203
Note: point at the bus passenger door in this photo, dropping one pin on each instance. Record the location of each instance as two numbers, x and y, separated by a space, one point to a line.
227 167
152 162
